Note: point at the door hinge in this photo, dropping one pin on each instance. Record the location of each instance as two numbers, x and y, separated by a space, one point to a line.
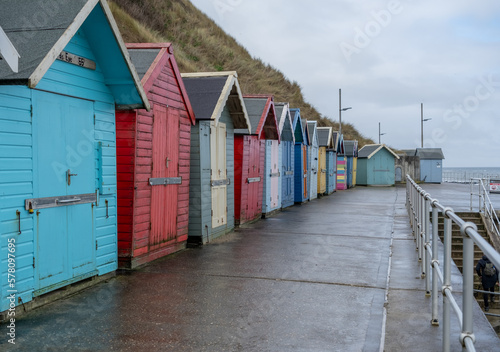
33 262
94 119
31 111
96 245
226 134
212 212
153 118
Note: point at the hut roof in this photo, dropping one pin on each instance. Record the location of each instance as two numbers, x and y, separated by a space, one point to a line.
210 92
149 59
351 148
297 125
429 153
311 129
325 137
305 131
262 116
370 150
284 121
41 42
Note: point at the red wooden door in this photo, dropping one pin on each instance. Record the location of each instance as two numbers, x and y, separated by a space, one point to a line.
165 165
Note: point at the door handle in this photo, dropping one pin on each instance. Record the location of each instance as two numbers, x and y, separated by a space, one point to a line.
69 174
66 201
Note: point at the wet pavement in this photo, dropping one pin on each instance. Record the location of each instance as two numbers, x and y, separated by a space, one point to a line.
312 278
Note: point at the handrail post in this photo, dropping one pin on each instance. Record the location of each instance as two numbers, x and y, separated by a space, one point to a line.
435 279
468 277
426 245
446 280
419 226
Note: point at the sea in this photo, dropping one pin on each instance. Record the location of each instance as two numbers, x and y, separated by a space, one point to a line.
464 174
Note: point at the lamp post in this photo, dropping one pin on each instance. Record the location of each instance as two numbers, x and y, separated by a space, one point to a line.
340 111
422 120
379 134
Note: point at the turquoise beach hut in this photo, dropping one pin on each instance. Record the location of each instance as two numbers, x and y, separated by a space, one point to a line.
301 191
57 146
287 153
376 163
219 110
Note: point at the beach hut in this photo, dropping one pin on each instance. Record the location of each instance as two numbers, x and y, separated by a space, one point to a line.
324 151
301 190
431 164
331 165
376 165
219 109
313 159
341 164
287 153
57 144
153 161
262 113
249 158
351 154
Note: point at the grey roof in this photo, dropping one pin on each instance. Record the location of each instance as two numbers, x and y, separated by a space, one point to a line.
350 148
204 92
286 125
367 150
278 107
310 130
143 59
323 135
34 27
255 109
429 153
335 140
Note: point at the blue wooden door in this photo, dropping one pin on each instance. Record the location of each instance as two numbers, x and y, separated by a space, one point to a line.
64 165
287 172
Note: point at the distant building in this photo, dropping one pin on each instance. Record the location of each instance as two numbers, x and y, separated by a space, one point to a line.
376 163
427 164
407 164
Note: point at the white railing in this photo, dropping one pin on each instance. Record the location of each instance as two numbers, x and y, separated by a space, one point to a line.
419 204
465 176
484 203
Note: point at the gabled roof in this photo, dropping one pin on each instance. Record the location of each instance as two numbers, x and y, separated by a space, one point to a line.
313 133
149 59
335 140
370 150
40 42
262 116
429 153
351 148
325 137
211 92
284 121
8 52
297 125
305 131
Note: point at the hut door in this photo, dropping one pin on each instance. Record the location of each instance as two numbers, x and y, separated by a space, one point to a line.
165 165
218 171
64 164
275 174
304 170
253 173
287 176
322 171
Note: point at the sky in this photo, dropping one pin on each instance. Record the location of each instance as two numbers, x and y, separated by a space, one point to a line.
388 57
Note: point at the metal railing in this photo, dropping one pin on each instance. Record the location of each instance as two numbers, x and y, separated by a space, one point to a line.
420 205
484 204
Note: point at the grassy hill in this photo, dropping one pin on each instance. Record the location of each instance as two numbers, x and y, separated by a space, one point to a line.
201 45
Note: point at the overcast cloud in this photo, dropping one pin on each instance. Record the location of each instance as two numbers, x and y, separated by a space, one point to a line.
387 57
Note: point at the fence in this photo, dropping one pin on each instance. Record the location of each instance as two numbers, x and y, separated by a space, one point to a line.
420 205
465 176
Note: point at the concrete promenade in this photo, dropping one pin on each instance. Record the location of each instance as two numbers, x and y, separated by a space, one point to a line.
336 274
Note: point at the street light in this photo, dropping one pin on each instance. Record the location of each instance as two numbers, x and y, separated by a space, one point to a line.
379 134
340 111
422 120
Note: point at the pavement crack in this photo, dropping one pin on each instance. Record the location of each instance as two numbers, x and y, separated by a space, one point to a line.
297 281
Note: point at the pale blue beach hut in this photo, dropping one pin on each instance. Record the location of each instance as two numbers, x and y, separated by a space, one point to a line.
287 153
376 163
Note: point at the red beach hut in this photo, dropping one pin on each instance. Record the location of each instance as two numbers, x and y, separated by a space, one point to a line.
153 159
249 157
